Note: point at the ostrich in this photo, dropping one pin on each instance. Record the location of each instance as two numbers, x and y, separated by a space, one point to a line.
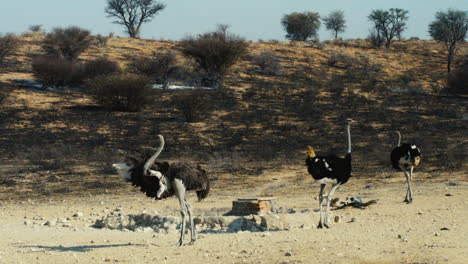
405 157
161 180
330 169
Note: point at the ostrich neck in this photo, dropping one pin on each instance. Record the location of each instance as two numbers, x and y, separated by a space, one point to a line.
348 132
399 138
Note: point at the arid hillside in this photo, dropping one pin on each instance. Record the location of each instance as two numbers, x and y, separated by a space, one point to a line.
59 142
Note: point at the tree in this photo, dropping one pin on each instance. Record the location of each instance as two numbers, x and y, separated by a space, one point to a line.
301 26
133 13
450 27
389 23
335 21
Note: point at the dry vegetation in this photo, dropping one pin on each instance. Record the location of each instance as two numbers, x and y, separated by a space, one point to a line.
60 142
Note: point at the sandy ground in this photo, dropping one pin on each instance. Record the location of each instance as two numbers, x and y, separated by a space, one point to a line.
387 232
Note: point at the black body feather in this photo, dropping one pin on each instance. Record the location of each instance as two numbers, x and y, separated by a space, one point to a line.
193 177
404 155
331 167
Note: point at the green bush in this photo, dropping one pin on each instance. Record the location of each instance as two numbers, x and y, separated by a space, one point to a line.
9 44
214 53
53 71
458 79
121 91
67 43
100 66
194 104
160 67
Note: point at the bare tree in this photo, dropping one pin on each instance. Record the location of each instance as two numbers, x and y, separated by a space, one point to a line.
301 26
335 21
450 27
389 23
133 13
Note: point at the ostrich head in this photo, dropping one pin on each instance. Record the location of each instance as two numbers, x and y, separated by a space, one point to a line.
349 121
310 152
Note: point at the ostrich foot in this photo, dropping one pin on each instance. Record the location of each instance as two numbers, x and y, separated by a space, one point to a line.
320 225
191 242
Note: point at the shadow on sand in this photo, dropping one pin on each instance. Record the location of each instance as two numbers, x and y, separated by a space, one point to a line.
85 248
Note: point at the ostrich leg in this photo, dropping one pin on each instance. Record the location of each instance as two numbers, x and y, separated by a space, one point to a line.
410 180
329 197
180 193
322 187
408 198
193 234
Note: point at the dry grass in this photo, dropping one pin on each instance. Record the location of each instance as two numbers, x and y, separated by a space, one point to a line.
60 142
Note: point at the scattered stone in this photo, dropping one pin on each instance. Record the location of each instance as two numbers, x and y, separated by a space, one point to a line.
27 223
436 234
78 214
420 212
337 218
37 217
354 219
50 223
453 183
288 254
448 194
444 229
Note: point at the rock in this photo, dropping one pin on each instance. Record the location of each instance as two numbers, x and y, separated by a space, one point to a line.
420 212
444 229
78 214
448 194
27 223
37 217
288 254
50 223
354 219
436 234
337 218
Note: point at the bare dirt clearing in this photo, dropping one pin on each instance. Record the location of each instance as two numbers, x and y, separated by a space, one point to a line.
431 230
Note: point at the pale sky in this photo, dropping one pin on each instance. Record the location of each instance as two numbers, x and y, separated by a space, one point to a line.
251 19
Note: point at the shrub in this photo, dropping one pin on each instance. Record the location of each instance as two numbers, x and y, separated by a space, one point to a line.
160 67
67 43
458 79
100 40
35 28
9 44
194 104
268 62
375 39
121 91
100 66
53 71
214 53
341 60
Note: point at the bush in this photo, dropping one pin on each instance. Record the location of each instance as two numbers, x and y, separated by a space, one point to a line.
67 43
100 40
53 71
342 60
214 53
121 91
161 67
35 28
9 44
375 39
194 105
268 62
100 66
458 79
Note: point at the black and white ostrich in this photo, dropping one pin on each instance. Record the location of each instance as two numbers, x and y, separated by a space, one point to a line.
161 180
405 157
330 169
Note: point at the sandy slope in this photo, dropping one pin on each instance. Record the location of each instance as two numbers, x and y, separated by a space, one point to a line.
387 232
